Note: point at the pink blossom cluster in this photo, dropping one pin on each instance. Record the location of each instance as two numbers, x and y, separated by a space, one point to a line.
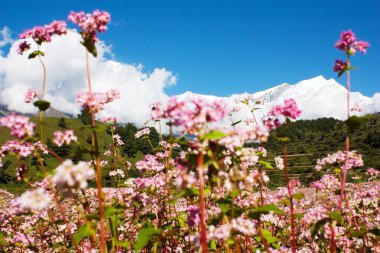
150 164
190 116
372 172
193 218
90 23
96 100
349 43
156 181
117 140
109 120
30 95
315 214
354 160
22 149
340 66
19 125
65 137
145 131
42 34
289 109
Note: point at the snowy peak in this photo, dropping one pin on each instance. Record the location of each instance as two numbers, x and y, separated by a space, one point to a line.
317 97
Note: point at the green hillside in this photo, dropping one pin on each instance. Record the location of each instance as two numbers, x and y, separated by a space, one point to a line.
309 141
314 139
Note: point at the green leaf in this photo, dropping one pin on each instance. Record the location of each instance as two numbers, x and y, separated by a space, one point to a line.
337 170
256 213
90 46
100 128
235 123
126 245
268 208
212 245
266 165
358 234
268 236
336 215
42 105
214 135
144 236
225 206
35 53
83 232
298 196
315 228
283 139
2 240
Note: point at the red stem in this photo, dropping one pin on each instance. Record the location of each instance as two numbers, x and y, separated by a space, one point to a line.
345 168
332 244
97 165
202 204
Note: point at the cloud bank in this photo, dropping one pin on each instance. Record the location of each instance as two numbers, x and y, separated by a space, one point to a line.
66 76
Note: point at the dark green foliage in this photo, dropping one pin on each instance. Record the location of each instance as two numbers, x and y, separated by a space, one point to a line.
131 144
85 116
62 151
62 123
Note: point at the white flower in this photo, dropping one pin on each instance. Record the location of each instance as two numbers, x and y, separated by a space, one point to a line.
36 199
279 162
69 175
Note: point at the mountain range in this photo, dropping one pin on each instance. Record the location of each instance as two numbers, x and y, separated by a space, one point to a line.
317 97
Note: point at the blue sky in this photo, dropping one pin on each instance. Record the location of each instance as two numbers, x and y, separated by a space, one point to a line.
224 47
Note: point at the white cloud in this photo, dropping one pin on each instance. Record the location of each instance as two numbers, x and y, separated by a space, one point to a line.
5 37
65 63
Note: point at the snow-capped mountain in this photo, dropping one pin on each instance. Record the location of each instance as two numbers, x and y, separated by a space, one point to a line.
317 97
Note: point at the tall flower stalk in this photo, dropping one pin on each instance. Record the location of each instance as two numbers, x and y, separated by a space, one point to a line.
350 45
91 24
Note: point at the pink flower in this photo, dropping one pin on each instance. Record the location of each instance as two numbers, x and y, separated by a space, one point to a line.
43 34
109 120
150 164
66 137
348 43
347 38
145 131
90 23
190 116
19 125
372 172
22 47
356 108
361 46
318 185
193 218
22 149
96 100
289 110
117 140
340 66
30 95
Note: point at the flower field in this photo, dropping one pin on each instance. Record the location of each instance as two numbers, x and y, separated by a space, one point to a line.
203 188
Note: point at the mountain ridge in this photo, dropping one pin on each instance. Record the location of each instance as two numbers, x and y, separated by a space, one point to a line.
317 97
